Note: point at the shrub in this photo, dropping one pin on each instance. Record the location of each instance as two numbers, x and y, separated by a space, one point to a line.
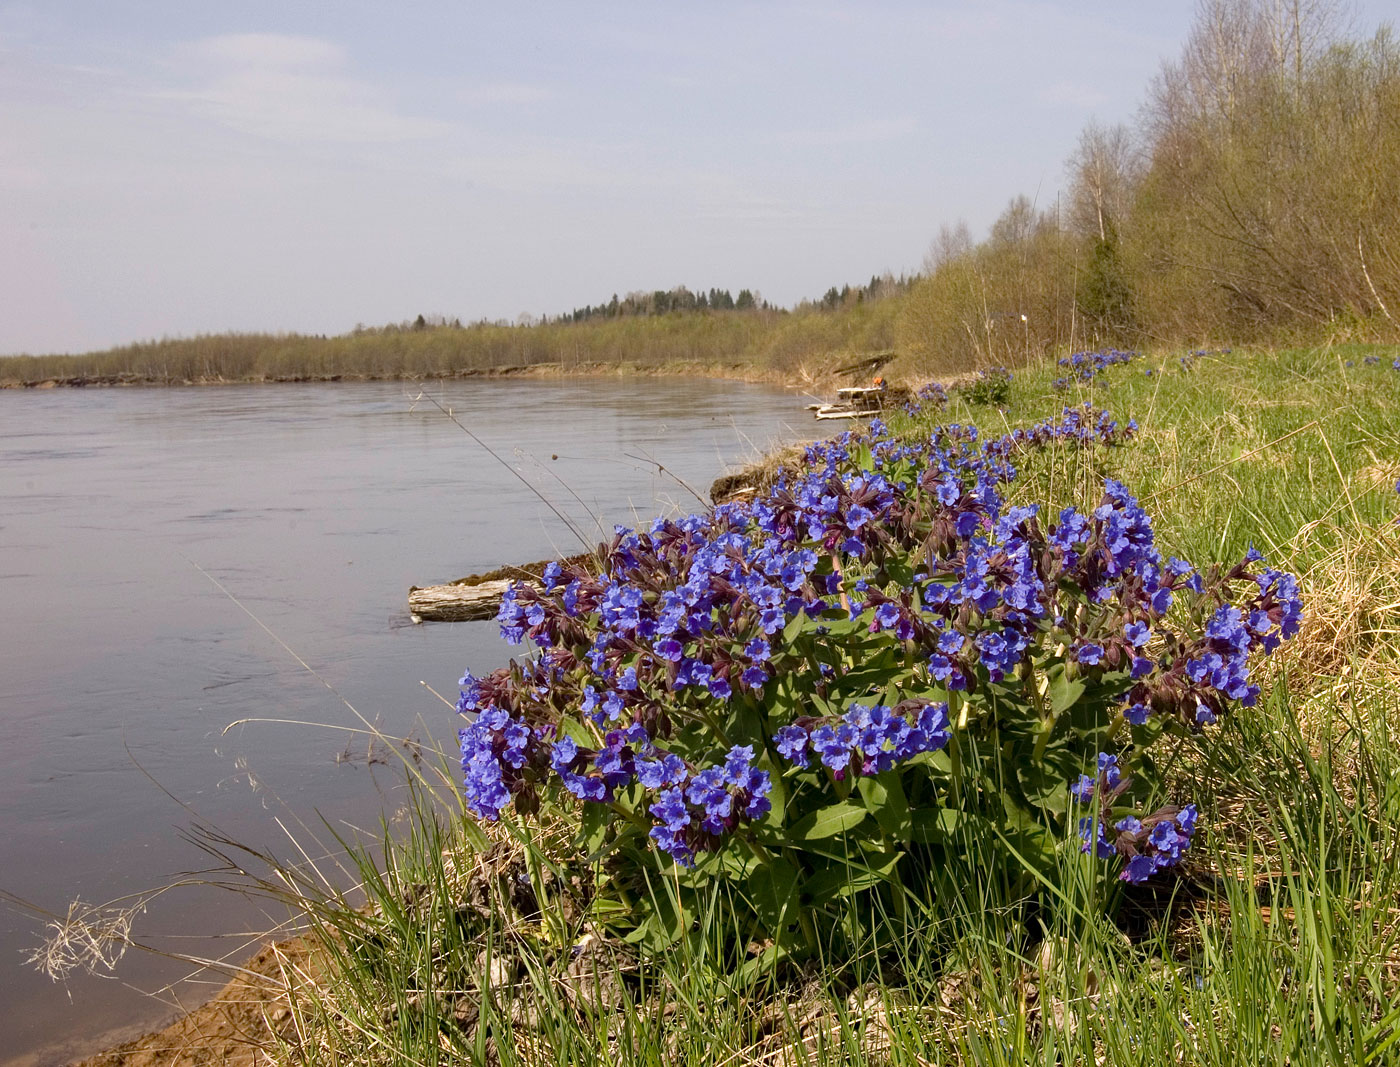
813 697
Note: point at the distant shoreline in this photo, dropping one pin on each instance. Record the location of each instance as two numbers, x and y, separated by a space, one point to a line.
728 371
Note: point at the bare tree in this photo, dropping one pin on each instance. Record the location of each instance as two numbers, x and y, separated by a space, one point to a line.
951 243
1103 171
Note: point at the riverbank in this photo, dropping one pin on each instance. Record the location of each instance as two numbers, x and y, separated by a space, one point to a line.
1297 453
242 1025
816 384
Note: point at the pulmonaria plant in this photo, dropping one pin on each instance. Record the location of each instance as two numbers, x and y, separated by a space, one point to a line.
991 386
930 396
1189 359
1087 367
831 675
1149 844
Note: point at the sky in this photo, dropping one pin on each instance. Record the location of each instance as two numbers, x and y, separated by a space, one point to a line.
174 167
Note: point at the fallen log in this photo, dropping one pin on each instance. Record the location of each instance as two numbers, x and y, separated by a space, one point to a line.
456 603
477 596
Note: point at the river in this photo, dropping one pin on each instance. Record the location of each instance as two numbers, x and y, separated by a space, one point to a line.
315 508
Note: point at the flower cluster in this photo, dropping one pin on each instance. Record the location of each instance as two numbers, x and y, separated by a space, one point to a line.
678 639
1197 677
496 750
932 395
694 815
1086 367
1149 845
869 740
990 386
1374 361
1189 359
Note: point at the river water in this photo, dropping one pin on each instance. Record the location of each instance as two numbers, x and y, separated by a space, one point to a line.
315 507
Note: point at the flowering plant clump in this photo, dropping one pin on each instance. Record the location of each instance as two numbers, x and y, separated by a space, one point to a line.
1087 367
1374 361
932 395
805 692
1189 360
1149 845
991 386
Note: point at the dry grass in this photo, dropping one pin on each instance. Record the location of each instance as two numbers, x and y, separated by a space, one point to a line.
758 476
1349 644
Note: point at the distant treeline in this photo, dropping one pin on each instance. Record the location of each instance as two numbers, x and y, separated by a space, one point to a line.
669 329
1255 199
667 301
793 345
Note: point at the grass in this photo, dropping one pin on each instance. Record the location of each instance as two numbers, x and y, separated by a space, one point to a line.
1281 949
1280 944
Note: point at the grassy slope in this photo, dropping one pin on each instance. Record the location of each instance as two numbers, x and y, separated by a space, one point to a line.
1283 948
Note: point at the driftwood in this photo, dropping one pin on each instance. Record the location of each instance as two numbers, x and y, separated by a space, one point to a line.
477 596
456 603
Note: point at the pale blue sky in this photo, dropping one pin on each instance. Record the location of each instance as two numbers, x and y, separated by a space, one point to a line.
170 167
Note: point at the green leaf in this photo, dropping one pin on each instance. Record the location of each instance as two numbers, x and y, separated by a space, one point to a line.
827 822
885 800
936 826
608 910
843 627
1064 691
794 627
874 676
931 826
594 823
772 888
1044 786
762 964
900 570
662 923
837 879
777 793
476 837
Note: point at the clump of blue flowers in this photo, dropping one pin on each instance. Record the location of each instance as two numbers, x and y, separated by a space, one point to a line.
930 397
1085 368
1189 360
1148 845
992 385
829 674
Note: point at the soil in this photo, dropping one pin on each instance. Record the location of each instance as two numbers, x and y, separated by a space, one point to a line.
234 1029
